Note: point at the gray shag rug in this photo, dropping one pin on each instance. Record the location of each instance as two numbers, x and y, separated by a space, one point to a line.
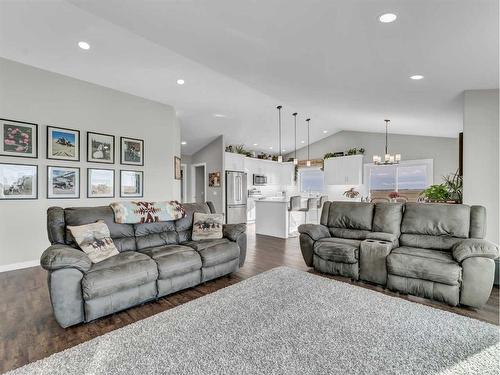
286 321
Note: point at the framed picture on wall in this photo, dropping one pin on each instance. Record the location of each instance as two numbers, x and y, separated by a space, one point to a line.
131 151
63 144
18 138
100 183
214 179
63 182
131 184
177 168
100 148
18 181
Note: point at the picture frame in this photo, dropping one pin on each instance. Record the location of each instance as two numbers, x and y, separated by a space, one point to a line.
131 151
63 182
63 143
18 181
177 168
100 148
131 184
100 183
18 139
214 179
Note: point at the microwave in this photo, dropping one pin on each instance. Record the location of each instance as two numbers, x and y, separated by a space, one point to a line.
259 179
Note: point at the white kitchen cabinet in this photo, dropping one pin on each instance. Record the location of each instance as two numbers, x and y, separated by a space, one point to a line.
234 162
344 170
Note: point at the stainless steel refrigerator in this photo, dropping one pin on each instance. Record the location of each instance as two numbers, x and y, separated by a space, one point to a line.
236 197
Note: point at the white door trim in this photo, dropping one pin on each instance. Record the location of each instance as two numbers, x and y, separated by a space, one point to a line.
193 181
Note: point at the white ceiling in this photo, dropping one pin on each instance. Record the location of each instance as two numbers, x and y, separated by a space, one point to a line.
330 60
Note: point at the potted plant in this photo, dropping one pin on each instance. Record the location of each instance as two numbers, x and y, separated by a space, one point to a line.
351 193
436 193
393 195
454 184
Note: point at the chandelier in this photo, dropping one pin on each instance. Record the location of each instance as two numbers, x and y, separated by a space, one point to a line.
388 158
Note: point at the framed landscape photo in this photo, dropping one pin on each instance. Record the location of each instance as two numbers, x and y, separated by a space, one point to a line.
18 138
100 183
131 184
63 144
18 181
131 151
100 148
63 182
177 168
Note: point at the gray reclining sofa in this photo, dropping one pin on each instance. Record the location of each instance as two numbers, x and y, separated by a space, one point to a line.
435 251
155 259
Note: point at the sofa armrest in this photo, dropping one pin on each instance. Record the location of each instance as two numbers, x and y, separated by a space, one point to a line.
233 231
63 256
315 231
381 236
474 248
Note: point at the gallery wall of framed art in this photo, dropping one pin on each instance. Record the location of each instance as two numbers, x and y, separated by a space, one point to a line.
20 181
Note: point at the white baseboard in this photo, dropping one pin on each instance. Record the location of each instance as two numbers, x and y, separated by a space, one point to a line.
20 265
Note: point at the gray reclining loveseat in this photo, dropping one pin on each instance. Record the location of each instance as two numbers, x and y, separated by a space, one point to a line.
435 251
155 259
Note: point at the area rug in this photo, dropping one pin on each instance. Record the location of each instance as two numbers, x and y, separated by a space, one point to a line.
286 321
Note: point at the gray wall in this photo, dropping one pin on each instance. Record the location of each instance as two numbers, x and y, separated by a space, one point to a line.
35 95
213 155
481 165
444 151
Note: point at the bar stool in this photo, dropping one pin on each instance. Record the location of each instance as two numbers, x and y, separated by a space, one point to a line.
295 205
312 204
321 201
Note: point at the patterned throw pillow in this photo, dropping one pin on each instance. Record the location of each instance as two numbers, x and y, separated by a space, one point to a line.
207 226
95 240
147 212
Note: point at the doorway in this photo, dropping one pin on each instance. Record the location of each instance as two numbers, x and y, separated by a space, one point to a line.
199 192
184 198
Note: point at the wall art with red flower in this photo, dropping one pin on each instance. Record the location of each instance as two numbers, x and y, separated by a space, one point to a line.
18 138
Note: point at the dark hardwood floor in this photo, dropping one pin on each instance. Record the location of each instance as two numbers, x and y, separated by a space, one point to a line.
28 331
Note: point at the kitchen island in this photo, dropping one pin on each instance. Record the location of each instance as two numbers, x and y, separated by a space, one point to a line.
272 219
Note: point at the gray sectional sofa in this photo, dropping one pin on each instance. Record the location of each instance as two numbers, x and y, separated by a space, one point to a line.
435 251
155 259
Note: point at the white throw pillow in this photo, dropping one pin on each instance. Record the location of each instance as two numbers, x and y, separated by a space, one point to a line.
95 240
207 226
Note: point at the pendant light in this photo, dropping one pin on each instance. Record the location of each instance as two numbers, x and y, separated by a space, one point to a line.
308 163
388 158
295 160
280 157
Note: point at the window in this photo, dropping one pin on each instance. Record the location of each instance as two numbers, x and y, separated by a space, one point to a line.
408 178
311 180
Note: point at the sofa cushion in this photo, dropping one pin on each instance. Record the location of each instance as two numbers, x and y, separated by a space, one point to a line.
351 215
337 250
155 234
122 271
387 217
184 226
425 264
219 253
203 244
426 241
174 260
207 226
122 234
436 219
94 239
353 234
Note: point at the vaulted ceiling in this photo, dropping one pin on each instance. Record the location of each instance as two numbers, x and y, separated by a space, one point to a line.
332 61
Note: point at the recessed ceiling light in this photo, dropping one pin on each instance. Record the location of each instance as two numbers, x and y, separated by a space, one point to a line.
325 131
255 144
302 141
270 148
219 115
84 45
387 18
416 77
283 150
183 143
180 81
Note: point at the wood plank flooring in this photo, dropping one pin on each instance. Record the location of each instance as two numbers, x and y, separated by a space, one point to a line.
28 331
